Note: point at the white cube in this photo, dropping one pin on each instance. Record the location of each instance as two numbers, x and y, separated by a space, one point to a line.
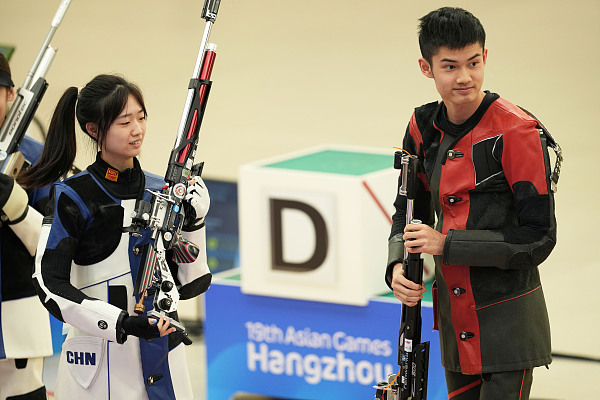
314 224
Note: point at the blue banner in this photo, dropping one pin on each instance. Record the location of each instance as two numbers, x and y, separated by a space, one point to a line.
222 238
305 350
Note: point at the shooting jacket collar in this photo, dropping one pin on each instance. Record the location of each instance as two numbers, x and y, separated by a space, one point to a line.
125 184
442 121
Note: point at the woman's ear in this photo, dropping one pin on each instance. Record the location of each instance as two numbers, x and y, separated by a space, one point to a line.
11 93
92 129
425 68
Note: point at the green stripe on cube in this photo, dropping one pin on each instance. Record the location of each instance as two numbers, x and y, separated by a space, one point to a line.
337 162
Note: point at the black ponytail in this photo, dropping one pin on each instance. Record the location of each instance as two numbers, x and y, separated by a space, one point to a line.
60 147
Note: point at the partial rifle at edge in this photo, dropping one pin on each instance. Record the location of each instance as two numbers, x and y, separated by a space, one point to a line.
413 356
26 102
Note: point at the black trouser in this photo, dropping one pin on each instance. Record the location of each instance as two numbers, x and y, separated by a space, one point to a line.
511 385
39 394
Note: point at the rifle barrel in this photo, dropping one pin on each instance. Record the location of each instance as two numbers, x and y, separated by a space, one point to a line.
196 74
62 9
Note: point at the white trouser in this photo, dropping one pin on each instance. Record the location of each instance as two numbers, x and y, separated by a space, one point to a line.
14 381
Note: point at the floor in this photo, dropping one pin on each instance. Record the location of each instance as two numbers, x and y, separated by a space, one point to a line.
567 378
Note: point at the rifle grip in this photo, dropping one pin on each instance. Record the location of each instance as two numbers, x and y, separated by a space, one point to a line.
197 169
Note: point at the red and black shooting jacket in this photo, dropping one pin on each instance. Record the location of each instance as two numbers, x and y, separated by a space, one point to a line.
485 184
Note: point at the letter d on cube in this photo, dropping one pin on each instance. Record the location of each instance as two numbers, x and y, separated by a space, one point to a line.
311 227
321 242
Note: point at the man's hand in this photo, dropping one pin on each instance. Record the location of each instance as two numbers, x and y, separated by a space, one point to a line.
408 292
421 238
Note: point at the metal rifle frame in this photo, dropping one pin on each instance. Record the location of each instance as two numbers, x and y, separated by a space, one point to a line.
26 102
413 356
165 214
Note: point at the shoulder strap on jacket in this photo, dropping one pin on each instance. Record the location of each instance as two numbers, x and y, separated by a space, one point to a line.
550 142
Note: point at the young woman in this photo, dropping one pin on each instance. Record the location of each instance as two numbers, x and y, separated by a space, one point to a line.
86 262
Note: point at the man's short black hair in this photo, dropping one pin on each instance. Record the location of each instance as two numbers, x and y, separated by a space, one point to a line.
449 27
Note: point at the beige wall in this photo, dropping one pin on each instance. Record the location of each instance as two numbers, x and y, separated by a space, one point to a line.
294 74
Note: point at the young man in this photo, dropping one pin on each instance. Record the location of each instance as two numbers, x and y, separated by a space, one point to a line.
485 174
25 336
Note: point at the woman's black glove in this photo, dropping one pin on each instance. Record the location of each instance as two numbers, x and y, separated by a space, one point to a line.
138 326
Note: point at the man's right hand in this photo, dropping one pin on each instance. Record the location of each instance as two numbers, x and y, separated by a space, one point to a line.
408 292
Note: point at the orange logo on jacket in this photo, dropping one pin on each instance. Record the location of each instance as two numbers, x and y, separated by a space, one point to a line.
112 174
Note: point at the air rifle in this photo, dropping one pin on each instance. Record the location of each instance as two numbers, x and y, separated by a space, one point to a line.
165 214
26 102
413 356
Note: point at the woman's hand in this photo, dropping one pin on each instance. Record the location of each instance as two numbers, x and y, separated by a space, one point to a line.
147 328
197 197
162 325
